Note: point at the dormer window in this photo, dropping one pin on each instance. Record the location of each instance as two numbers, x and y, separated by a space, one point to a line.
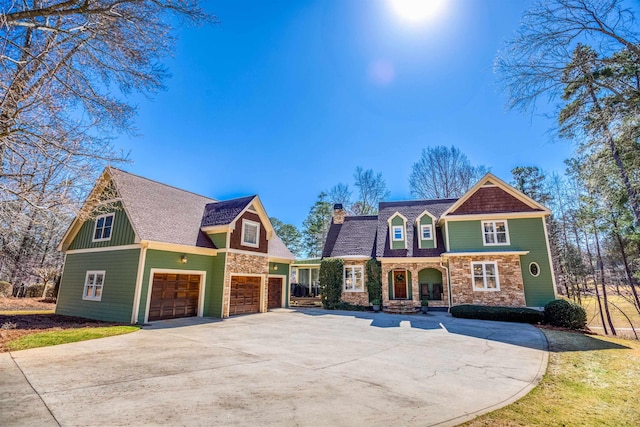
426 232
103 228
250 233
398 233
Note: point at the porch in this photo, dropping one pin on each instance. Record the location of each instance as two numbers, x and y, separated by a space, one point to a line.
405 285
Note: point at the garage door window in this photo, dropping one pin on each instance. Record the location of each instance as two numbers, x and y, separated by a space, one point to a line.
93 283
250 233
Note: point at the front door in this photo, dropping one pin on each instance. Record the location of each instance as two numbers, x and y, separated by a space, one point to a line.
275 292
400 284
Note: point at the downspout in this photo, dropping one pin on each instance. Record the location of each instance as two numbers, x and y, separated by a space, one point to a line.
448 286
136 297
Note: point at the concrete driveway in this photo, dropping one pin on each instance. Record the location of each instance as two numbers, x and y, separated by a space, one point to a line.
306 367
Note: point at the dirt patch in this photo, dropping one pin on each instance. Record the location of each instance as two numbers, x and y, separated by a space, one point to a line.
13 304
18 325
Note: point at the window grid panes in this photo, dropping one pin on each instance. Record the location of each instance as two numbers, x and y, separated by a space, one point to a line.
353 279
397 232
104 225
426 232
485 276
93 284
495 233
250 233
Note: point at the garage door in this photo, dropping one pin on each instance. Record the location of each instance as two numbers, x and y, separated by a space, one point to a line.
275 292
174 295
245 295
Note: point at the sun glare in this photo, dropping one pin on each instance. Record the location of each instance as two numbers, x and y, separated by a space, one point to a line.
417 10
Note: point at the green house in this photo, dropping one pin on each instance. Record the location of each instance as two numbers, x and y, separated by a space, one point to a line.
488 247
141 251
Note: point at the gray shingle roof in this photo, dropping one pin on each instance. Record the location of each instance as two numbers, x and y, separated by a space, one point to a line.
224 212
355 237
278 249
410 210
161 213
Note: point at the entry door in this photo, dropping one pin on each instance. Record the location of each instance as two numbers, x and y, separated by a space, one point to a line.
400 284
275 292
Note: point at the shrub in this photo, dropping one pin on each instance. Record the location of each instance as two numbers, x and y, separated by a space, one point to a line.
565 314
374 280
331 271
503 314
6 289
342 305
34 291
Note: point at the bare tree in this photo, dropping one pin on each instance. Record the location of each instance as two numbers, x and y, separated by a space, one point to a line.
372 189
341 194
65 68
443 172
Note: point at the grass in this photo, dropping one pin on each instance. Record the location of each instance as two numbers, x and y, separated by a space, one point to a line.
16 312
589 381
617 303
45 339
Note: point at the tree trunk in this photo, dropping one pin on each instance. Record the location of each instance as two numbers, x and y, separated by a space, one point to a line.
625 261
593 273
604 287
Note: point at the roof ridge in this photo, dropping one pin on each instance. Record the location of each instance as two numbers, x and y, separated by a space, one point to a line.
162 183
419 201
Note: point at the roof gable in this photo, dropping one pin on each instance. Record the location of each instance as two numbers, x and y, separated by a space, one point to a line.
492 195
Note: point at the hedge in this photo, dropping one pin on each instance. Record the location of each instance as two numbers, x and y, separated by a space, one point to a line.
6 289
331 271
565 314
503 314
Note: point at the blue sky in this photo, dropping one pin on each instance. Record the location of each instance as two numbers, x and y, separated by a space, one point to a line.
286 98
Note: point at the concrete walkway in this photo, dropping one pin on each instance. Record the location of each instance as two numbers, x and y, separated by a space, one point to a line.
286 367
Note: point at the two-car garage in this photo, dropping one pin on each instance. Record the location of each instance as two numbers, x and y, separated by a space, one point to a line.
175 295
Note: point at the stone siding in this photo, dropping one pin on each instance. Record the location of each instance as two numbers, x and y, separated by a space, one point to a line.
414 268
511 291
358 298
240 264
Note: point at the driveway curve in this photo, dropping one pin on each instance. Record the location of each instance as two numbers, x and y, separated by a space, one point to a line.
286 367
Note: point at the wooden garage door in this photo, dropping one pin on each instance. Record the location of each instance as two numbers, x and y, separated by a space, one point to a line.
174 295
245 295
275 292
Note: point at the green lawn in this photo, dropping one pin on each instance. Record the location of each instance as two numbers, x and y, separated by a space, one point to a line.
45 339
590 381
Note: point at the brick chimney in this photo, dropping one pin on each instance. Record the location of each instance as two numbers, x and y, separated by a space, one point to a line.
338 214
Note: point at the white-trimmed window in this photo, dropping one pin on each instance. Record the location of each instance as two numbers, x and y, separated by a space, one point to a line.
93 283
495 233
426 232
534 269
398 232
103 228
250 233
353 278
485 276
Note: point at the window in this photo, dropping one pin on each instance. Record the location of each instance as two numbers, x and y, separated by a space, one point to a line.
495 233
397 232
104 226
426 232
93 283
250 233
534 269
353 279
485 276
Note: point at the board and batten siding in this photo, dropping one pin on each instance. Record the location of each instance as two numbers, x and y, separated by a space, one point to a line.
117 293
427 244
283 269
121 233
219 240
525 234
212 265
398 244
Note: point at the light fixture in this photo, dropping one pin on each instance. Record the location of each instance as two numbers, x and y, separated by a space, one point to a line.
275 267
183 259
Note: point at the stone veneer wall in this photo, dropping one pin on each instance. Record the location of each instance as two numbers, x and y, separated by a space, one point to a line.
358 298
511 291
414 268
240 264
